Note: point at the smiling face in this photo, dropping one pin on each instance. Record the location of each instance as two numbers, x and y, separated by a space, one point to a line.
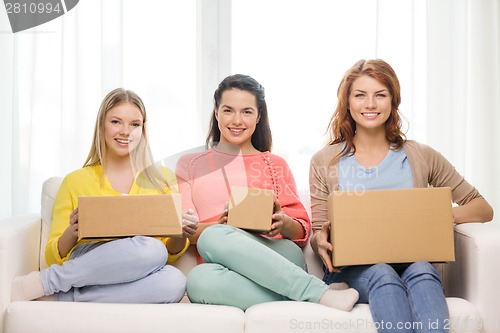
122 129
369 103
237 117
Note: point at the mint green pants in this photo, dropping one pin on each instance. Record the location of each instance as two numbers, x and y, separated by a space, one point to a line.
243 269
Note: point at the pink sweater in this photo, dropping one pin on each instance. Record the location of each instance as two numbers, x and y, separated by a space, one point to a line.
204 180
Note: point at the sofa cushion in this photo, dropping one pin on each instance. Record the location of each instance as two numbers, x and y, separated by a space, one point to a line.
62 317
49 192
289 316
268 317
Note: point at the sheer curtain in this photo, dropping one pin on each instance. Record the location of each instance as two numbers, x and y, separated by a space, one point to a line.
301 56
54 77
463 87
173 53
445 52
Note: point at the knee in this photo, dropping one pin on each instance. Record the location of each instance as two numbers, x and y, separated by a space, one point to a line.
175 286
211 239
214 234
422 267
200 281
195 282
382 270
149 250
421 270
383 274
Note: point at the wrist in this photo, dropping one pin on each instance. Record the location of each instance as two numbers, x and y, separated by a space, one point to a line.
292 229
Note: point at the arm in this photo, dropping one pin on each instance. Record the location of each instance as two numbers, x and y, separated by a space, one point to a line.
187 203
184 183
476 210
323 248
176 246
290 216
62 235
69 237
202 226
285 225
189 225
472 207
322 180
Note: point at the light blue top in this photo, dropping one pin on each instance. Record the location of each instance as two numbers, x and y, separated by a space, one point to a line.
393 172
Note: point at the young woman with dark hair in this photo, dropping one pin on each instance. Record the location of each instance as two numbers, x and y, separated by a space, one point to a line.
241 268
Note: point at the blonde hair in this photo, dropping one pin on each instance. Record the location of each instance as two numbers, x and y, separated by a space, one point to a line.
141 157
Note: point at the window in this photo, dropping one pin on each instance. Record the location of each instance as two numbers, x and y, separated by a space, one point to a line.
299 50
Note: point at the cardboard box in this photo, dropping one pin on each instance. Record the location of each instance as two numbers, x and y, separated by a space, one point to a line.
391 226
251 208
129 215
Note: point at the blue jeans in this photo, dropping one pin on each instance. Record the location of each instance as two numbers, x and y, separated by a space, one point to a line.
243 269
402 298
128 270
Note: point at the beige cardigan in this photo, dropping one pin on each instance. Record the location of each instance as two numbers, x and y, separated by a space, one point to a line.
429 168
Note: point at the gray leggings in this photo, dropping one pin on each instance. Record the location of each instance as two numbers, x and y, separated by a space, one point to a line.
128 270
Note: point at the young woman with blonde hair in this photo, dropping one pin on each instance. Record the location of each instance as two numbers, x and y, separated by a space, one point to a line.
126 270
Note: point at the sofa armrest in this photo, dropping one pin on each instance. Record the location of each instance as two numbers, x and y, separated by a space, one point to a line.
19 252
476 272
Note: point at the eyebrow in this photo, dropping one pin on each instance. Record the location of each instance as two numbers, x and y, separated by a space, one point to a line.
375 91
116 117
230 107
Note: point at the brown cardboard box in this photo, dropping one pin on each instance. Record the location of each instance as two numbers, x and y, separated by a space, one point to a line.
251 208
391 226
129 215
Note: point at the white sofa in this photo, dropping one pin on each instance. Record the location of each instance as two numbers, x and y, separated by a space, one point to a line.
472 287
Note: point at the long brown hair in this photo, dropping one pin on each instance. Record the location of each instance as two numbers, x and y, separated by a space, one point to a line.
141 157
342 127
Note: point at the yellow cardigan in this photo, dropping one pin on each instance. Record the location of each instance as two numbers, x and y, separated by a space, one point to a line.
85 182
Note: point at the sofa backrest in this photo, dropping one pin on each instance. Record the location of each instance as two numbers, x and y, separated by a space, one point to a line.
185 263
49 191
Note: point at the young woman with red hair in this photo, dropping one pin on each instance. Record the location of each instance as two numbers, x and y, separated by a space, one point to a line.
367 150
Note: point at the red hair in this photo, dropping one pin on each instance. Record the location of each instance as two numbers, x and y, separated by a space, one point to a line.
342 127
